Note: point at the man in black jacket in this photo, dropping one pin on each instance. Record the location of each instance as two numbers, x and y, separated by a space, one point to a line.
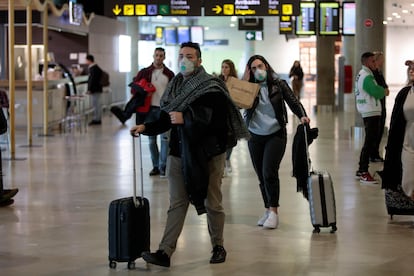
94 88
204 122
379 78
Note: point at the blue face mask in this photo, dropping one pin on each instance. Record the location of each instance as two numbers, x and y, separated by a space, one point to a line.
186 67
260 75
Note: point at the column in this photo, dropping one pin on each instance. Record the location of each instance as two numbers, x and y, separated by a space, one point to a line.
370 34
325 80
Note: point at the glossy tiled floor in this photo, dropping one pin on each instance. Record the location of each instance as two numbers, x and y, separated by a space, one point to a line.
58 224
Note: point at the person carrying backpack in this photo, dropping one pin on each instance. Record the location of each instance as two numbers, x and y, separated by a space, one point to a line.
95 88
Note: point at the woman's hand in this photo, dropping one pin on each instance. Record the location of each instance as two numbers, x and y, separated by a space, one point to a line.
137 130
304 120
246 75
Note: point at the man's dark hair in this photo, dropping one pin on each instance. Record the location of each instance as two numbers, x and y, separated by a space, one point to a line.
90 58
193 45
365 56
160 49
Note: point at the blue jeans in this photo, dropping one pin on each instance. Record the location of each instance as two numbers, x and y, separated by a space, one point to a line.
158 156
96 103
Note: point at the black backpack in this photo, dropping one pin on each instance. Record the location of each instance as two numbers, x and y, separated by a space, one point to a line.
104 81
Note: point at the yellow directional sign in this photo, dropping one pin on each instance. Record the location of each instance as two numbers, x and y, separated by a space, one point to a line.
287 9
129 10
228 9
217 9
140 10
116 10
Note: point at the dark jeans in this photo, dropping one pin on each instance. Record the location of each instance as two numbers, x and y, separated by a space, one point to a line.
266 153
372 127
381 129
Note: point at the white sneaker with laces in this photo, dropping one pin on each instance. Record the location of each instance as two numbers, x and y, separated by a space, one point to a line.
272 221
263 218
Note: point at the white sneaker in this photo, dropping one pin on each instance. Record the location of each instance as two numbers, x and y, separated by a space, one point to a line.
272 221
263 218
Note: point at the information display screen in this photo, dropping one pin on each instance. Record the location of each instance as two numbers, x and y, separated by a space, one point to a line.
170 34
197 34
328 18
305 22
183 33
348 18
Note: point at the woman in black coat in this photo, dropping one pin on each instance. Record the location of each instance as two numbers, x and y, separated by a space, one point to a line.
399 157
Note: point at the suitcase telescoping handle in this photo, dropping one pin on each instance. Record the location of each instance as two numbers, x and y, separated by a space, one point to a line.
134 153
307 149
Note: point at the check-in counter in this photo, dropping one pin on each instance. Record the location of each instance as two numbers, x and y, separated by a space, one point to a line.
57 104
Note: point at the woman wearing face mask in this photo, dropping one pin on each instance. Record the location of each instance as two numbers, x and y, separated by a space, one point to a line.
228 69
266 121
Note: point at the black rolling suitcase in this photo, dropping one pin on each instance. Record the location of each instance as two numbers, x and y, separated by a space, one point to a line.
129 223
321 198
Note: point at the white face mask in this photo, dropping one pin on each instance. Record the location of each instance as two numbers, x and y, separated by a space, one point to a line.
186 66
260 75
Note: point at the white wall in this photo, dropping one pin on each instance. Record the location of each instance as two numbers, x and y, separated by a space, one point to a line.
103 44
398 49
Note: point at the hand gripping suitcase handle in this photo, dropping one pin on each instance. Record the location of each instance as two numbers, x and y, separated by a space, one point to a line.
134 162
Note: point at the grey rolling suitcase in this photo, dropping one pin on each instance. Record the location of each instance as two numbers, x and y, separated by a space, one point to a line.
321 197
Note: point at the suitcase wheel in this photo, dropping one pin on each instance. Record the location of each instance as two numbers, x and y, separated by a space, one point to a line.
316 230
334 228
131 265
112 264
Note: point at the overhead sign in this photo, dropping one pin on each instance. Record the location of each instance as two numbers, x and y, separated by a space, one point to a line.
115 8
254 35
149 8
285 24
289 7
241 7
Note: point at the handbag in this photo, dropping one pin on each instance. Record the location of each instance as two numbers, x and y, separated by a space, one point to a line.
3 122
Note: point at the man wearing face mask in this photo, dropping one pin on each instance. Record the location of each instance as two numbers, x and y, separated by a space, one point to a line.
266 121
204 123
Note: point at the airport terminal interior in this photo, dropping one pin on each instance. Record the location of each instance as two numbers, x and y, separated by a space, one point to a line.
58 224
67 177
